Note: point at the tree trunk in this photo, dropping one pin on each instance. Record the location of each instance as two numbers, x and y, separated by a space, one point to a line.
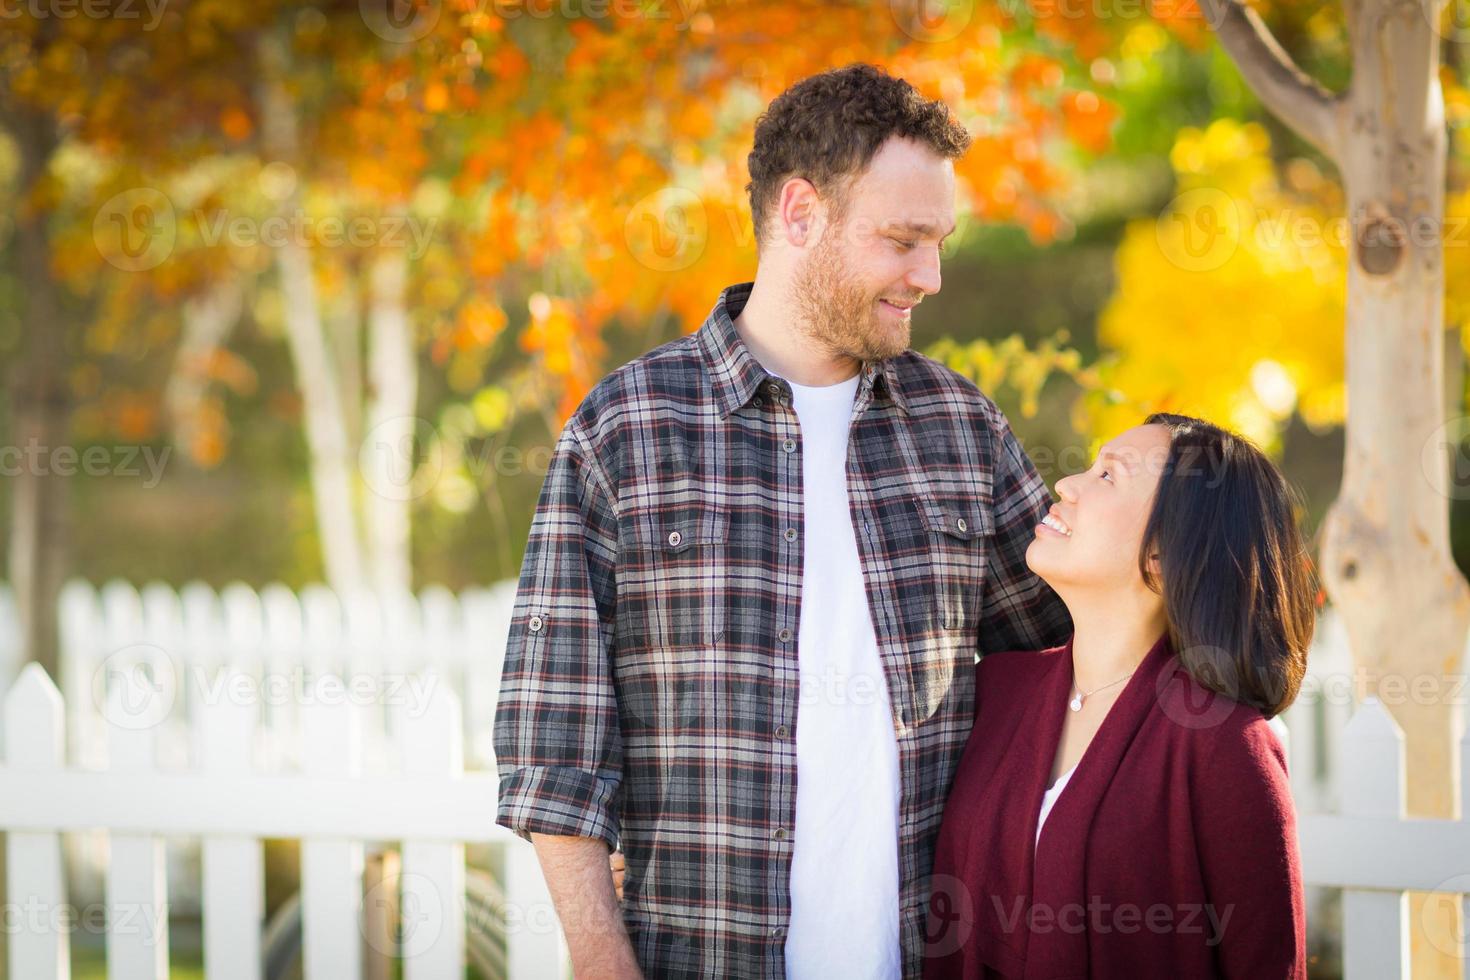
41 410
333 463
1386 550
388 446
1386 557
207 322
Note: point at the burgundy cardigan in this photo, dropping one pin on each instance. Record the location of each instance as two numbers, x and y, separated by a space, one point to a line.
1171 851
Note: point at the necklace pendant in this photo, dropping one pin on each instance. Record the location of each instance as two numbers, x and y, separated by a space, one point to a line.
1075 704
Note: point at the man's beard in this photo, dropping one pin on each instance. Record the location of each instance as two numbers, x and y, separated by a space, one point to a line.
839 315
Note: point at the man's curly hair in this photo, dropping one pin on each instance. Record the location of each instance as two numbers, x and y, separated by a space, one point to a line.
828 127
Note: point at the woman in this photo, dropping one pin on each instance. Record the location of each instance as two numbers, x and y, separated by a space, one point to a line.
1122 807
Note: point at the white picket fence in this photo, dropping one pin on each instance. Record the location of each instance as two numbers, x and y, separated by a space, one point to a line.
225 720
166 738
287 642
1375 853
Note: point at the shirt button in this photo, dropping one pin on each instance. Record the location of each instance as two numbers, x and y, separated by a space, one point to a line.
779 932
773 388
791 534
785 636
782 731
535 623
674 538
759 401
780 833
962 525
789 445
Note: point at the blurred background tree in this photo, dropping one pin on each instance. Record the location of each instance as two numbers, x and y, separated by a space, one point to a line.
539 194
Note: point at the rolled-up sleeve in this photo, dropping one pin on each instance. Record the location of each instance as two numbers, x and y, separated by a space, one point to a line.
1019 611
557 742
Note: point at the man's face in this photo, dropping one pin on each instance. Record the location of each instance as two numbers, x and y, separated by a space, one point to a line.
857 284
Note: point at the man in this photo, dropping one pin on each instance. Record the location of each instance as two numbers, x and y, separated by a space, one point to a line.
763 562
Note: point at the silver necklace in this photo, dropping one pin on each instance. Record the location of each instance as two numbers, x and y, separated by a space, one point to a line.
1077 696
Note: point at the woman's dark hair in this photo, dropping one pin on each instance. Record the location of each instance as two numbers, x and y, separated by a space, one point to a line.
1238 586
827 128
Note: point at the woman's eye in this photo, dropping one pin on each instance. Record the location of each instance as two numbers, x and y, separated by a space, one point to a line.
1107 476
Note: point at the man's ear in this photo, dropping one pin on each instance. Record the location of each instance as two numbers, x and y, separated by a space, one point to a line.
797 210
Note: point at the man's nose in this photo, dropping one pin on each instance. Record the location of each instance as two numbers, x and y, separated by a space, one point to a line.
925 275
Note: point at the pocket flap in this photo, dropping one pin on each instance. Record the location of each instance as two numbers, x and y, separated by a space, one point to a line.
960 520
677 530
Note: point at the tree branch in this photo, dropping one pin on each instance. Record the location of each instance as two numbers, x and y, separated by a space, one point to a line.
1295 97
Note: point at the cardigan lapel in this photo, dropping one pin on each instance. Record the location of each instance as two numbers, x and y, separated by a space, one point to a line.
1059 947
1004 830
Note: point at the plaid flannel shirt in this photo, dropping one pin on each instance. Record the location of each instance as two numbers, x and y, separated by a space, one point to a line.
650 686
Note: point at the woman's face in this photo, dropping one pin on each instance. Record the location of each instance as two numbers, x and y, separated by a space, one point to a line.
1101 517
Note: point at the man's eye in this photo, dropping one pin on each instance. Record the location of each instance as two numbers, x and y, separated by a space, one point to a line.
903 246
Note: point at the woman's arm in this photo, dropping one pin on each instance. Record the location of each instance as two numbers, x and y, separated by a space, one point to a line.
1245 824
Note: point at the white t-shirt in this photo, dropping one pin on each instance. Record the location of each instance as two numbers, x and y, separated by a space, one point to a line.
1049 800
844 869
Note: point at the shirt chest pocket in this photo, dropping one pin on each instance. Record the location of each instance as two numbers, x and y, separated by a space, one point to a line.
961 534
673 576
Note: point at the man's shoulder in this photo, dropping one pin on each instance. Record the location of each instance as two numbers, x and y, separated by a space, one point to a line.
931 387
662 378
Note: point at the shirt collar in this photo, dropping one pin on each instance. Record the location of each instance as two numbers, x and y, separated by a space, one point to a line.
737 375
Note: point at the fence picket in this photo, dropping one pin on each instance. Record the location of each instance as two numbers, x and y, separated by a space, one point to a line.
233 867
1375 933
139 693
331 870
432 903
34 884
